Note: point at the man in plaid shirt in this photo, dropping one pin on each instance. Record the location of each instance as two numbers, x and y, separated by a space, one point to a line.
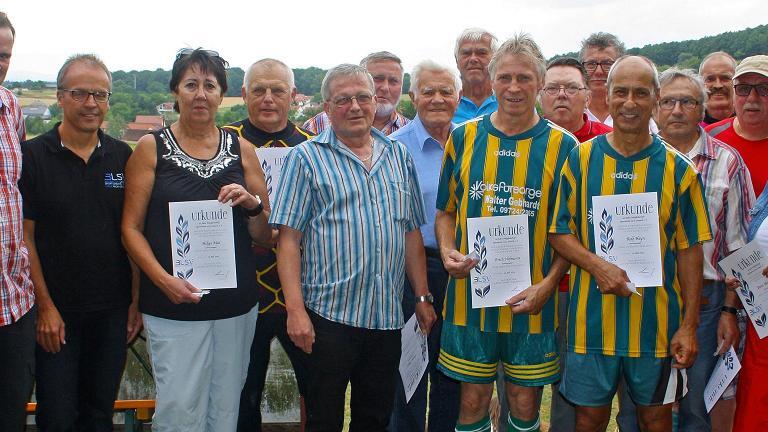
17 316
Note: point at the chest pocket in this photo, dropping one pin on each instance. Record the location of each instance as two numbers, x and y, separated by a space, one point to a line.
400 200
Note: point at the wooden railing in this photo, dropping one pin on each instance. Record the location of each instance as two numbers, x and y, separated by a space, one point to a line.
137 412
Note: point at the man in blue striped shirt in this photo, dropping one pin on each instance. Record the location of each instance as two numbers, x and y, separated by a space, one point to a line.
350 200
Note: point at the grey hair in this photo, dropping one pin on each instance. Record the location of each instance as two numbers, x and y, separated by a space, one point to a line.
475 34
89 59
431 66
611 72
601 41
674 73
343 71
380 56
717 54
521 44
269 63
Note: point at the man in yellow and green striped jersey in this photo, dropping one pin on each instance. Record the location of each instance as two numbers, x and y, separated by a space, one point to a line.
647 338
504 163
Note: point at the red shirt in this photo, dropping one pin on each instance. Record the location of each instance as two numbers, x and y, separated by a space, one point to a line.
590 130
754 153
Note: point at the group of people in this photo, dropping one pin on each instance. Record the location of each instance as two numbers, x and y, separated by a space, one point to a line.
369 226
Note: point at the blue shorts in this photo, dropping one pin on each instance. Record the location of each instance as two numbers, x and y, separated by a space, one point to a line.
591 380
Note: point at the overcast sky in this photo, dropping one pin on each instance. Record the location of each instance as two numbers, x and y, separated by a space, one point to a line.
141 34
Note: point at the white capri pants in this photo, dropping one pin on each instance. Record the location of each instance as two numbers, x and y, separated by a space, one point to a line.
199 369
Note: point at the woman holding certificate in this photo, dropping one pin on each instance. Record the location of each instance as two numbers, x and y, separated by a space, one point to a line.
192 208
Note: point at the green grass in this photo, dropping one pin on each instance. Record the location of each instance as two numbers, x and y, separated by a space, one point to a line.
546 399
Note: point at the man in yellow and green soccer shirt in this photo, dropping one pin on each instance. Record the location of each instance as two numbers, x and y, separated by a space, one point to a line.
647 338
504 163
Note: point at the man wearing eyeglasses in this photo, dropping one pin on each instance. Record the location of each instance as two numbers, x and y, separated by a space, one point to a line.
563 100
268 90
598 53
86 292
748 131
17 298
728 189
387 72
349 208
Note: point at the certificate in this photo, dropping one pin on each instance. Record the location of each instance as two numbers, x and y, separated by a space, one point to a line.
746 265
203 243
504 270
725 371
272 160
414 356
626 230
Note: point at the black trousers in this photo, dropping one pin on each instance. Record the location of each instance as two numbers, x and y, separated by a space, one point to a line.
368 359
76 387
17 367
268 327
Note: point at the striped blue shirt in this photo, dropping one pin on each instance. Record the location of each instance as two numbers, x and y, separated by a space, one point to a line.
353 223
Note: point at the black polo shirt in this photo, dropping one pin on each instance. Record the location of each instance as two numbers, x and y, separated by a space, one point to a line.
77 209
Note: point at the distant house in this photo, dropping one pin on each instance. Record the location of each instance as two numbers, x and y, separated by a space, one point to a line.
165 107
142 125
36 109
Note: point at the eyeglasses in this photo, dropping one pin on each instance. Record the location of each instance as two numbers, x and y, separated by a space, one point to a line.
188 51
668 104
79 95
746 89
362 99
591 65
568 90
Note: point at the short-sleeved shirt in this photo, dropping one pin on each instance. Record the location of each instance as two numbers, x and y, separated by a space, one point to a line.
467 110
754 153
17 295
353 223
271 298
77 208
632 326
486 173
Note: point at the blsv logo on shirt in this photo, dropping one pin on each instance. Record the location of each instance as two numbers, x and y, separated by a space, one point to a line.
114 180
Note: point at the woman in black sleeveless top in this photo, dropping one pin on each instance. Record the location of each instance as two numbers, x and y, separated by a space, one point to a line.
199 344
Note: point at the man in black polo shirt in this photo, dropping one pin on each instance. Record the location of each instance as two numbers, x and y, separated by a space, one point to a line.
268 90
72 184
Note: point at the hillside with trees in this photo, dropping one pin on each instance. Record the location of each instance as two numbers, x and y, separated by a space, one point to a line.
139 92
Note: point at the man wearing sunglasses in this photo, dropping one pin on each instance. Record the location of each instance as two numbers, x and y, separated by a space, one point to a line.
748 131
73 186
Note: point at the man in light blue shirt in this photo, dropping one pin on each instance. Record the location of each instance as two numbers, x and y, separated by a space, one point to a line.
349 208
435 93
474 48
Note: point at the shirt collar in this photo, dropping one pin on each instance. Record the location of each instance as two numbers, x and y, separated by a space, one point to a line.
704 145
488 100
422 136
328 136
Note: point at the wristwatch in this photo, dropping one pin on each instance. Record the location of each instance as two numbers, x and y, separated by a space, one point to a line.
256 210
429 298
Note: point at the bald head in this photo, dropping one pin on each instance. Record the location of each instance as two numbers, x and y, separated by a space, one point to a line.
633 89
271 66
